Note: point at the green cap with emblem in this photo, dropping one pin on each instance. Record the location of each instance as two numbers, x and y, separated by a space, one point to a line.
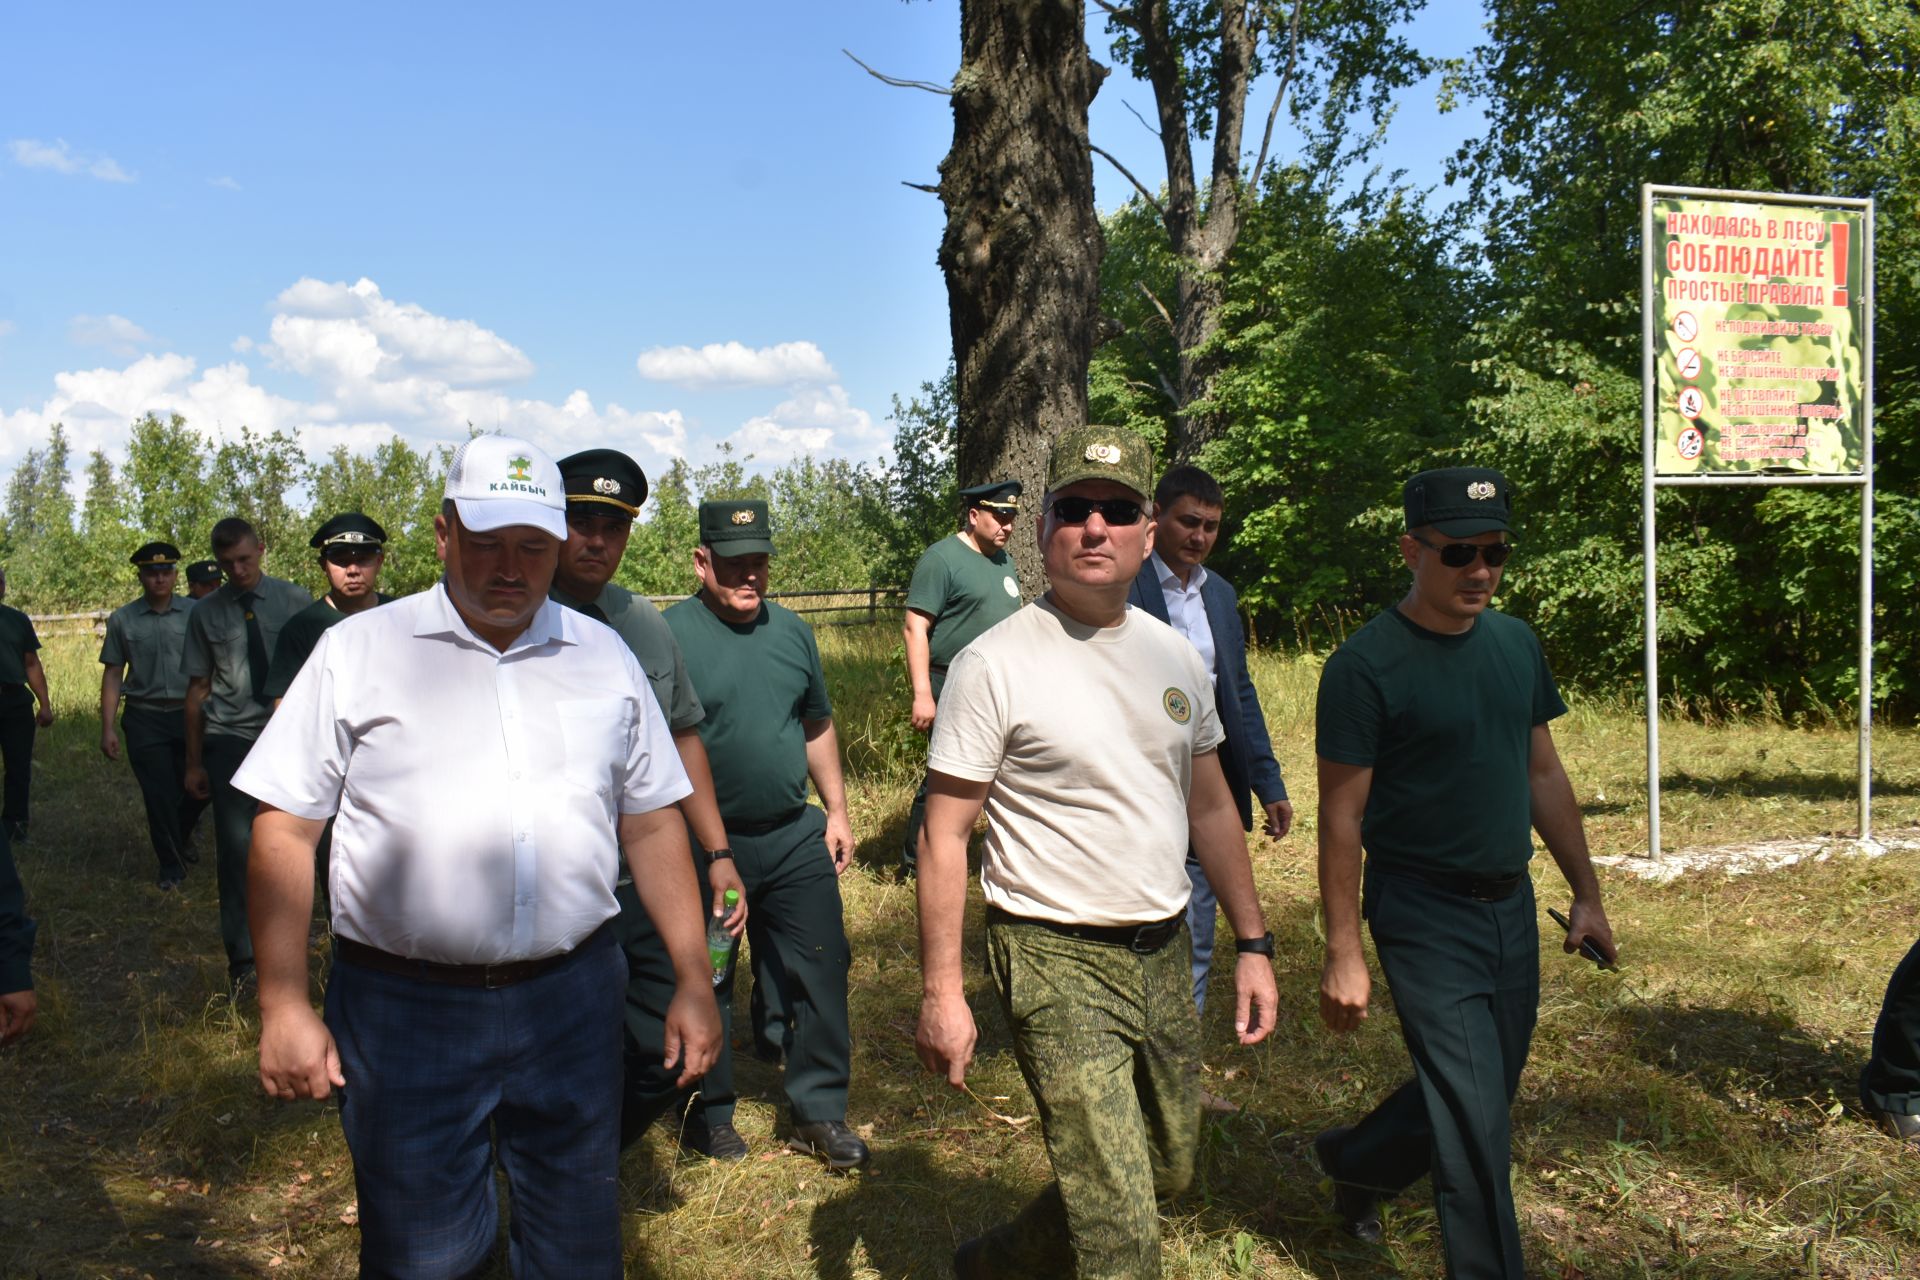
736 528
1459 501
1102 453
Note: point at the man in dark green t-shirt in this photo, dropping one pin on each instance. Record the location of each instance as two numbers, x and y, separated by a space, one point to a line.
604 491
962 586
1435 757
22 679
768 729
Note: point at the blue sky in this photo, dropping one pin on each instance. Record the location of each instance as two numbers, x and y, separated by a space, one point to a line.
652 226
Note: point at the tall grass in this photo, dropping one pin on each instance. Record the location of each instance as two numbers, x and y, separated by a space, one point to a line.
1688 1117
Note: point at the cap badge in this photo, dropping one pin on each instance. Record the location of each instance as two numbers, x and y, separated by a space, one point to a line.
606 485
1481 490
1107 453
743 516
517 468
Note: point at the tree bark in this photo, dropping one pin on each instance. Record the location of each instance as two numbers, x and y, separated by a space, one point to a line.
1022 246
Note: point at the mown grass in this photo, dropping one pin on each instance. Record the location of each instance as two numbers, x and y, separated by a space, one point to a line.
1693 1116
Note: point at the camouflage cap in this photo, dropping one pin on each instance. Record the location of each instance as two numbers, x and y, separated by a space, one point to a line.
1458 501
1102 453
736 528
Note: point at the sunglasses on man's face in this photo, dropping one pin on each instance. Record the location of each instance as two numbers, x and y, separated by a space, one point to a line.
1115 511
1458 555
344 556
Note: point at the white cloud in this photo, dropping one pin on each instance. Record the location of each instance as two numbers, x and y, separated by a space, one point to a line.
732 364
353 337
814 420
224 183
31 153
116 333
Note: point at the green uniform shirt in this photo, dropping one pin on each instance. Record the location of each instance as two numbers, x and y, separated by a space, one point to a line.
217 647
1446 723
647 634
299 636
964 592
148 642
757 681
17 640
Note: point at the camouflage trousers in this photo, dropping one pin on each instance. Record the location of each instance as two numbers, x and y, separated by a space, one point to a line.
1109 1043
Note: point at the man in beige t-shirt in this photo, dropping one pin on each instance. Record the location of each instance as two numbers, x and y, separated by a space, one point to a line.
1087 731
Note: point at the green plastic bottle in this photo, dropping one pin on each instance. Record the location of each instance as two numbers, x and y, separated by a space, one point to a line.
720 943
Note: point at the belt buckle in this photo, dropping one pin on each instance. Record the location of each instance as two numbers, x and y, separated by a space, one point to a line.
494 977
1158 931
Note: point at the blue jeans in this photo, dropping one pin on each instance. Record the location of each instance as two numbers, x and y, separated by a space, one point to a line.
444 1080
1203 909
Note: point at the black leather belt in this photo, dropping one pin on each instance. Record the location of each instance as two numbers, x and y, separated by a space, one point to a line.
1145 939
1479 888
761 828
491 977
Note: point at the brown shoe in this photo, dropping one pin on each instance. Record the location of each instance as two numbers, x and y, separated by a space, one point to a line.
1214 1104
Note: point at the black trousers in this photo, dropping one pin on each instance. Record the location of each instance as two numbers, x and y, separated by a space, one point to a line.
233 810
649 1088
1891 1081
1465 977
156 743
16 749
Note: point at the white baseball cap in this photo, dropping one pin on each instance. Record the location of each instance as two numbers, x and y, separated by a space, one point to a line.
497 481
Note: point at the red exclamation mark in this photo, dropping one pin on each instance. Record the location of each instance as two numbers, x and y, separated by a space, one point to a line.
1838 234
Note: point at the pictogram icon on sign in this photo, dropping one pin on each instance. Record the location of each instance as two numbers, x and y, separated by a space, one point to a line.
1691 402
1685 327
1690 443
1688 362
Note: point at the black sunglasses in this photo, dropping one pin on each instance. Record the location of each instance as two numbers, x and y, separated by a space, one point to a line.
1115 511
344 556
1458 555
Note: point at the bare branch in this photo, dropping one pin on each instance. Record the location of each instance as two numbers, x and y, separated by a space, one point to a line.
1279 94
920 186
925 85
1158 305
1145 194
1124 16
1142 119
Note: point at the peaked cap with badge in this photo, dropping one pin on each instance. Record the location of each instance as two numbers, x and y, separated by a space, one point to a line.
736 528
603 482
203 571
349 529
156 555
1459 501
1102 453
994 495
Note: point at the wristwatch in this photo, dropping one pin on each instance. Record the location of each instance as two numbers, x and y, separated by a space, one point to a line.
719 855
1260 946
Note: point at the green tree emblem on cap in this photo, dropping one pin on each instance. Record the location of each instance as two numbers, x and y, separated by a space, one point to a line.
517 468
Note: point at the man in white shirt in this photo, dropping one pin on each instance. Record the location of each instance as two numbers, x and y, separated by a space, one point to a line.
486 755
1086 731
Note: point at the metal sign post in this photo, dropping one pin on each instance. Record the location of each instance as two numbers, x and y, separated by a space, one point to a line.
1757 371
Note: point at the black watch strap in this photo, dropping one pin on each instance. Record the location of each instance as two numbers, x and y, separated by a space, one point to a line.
1260 946
719 855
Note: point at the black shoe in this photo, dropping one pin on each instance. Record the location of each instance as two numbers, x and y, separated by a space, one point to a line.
714 1141
1357 1208
967 1261
831 1140
1905 1128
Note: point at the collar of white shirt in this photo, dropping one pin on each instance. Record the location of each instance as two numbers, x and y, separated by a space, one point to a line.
1170 581
549 624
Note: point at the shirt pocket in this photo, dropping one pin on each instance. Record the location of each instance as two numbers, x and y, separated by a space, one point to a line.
594 737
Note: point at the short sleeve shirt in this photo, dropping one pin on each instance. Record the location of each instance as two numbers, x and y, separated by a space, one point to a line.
758 682
1087 737
637 622
17 640
965 592
1446 724
148 643
475 793
217 648
297 639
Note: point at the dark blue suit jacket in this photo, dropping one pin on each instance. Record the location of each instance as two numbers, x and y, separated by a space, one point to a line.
1247 755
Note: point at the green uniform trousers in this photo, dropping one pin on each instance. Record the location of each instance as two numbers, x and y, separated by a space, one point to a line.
222 755
1891 1081
1109 1043
1465 977
156 747
917 811
650 1088
800 948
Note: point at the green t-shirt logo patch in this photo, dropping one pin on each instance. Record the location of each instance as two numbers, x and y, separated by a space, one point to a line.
1178 708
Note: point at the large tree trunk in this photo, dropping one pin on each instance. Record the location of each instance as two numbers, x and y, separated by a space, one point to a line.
1023 245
